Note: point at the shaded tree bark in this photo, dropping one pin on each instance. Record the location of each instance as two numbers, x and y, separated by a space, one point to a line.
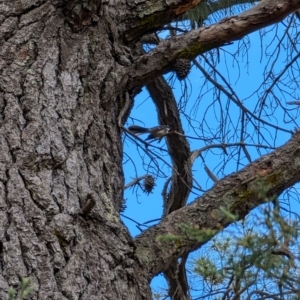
65 69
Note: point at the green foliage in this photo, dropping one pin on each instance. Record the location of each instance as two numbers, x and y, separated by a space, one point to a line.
219 9
259 256
168 238
231 217
192 232
189 232
207 268
26 289
11 293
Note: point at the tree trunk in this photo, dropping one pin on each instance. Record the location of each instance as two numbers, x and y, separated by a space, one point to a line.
60 145
66 83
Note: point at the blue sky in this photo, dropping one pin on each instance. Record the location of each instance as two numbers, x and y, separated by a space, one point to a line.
244 71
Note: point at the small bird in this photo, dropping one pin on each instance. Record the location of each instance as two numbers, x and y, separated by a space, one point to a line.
157 132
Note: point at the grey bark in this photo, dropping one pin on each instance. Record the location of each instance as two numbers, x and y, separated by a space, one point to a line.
238 193
181 179
65 66
59 134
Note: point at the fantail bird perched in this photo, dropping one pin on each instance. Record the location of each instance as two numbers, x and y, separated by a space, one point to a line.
157 132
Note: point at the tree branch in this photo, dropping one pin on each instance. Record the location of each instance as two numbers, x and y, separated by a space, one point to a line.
204 9
179 150
239 193
189 45
178 147
150 17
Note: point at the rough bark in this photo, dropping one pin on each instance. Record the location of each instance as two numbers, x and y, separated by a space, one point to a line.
181 180
65 66
61 145
238 193
189 45
178 146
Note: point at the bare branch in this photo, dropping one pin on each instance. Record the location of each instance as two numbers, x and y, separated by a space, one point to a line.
197 153
210 174
135 181
293 103
276 172
178 146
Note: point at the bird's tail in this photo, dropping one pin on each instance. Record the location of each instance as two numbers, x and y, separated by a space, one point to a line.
138 129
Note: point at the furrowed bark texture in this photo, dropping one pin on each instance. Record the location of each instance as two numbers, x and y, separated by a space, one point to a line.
238 193
60 145
64 69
